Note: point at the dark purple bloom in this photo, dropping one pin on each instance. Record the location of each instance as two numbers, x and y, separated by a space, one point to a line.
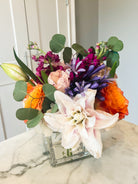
47 63
83 77
77 87
52 57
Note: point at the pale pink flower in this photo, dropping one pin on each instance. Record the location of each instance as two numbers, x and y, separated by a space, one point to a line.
78 121
59 79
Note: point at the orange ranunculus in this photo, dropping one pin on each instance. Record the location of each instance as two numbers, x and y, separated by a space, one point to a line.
114 101
38 96
29 87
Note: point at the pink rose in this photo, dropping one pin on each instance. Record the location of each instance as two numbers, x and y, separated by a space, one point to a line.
59 79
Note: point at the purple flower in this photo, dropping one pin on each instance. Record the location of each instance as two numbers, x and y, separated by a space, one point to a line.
88 80
44 63
77 87
52 57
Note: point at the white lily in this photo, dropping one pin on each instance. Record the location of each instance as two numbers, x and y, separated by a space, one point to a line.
78 121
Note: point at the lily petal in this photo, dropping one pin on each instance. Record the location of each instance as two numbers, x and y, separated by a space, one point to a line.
55 121
93 142
90 122
70 137
90 98
64 102
103 119
80 100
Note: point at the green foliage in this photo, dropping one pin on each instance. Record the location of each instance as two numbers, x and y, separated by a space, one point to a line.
113 70
79 49
26 113
57 43
54 108
33 122
20 90
24 67
44 76
67 54
112 58
49 91
115 44
46 104
80 57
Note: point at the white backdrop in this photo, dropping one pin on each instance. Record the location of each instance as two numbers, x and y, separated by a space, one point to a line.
97 20
120 18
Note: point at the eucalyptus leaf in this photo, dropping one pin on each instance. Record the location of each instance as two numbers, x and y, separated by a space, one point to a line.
113 70
67 54
57 43
44 76
115 44
20 90
79 49
54 108
111 58
80 57
46 104
24 67
33 122
49 91
26 113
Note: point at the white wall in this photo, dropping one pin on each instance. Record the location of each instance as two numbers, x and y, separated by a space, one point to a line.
86 22
120 18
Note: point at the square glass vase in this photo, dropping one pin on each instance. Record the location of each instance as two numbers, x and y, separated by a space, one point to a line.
59 155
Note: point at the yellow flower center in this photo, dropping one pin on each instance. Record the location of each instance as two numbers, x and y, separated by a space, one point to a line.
77 117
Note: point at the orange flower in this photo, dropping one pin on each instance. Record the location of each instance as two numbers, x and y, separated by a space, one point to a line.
114 101
35 98
29 87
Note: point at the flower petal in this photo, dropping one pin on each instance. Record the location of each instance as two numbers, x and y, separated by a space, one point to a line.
70 137
90 98
55 121
92 142
80 100
90 122
103 119
64 102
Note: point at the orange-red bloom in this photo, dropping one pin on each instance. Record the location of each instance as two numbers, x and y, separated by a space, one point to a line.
35 98
114 101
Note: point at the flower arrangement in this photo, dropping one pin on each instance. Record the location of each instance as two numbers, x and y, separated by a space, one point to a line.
77 96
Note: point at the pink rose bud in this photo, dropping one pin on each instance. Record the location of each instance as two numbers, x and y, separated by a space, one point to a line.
97 47
59 79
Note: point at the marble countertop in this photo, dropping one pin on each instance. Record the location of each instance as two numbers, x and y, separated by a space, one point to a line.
22 160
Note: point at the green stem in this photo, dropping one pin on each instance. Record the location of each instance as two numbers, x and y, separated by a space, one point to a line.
100 54
51 67
36 98
40 79
31 83
42 51
69 152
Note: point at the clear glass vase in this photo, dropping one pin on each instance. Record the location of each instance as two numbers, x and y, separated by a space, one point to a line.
59 155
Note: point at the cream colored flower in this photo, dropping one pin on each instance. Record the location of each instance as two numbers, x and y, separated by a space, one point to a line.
59 79
78 121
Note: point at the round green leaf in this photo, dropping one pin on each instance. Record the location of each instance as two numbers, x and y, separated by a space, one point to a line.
115 44
49 91
54 108
111 58
67 54
46 104
20 90
79 49
57 43
33 122
26 113
118 47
